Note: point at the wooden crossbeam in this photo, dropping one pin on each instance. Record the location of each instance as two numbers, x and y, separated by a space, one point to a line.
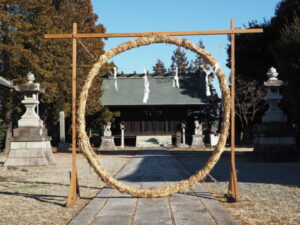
144 34
233 188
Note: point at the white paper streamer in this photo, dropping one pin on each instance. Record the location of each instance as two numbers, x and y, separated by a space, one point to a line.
207 86
176 79
206 81
146 87
116 79
216 67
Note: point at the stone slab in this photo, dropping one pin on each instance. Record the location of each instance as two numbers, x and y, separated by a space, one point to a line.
153 212
152 169
154 141
219 213
87 215
187 210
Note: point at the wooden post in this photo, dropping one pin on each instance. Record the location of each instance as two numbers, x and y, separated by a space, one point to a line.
73 194
233 191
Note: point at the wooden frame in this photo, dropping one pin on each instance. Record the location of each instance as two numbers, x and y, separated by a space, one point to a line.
233 187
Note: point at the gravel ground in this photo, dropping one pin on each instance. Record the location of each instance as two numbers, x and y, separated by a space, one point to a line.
38 195
270 192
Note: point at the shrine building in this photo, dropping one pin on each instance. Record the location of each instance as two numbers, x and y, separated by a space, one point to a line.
157 121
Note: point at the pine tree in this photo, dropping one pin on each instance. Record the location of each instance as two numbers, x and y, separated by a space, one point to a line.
179 60
159 67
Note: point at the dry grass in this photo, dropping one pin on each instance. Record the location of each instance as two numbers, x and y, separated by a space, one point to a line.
270 192
38 195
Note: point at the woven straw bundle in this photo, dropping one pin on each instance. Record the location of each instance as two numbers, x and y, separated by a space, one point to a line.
180 186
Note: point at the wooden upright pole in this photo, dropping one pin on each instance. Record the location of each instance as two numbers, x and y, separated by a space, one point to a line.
73 189
233 191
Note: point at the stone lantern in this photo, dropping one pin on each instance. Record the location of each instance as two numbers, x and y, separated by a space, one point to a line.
274 138
30 144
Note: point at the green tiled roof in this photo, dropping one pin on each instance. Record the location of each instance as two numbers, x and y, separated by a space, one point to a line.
130 92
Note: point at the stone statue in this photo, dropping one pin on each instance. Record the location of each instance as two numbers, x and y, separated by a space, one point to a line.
107 131
198 136
198 128
107 141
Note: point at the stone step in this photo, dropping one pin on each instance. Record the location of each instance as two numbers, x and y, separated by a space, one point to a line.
154 141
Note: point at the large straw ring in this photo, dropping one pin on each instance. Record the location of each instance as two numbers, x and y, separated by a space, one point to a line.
91 156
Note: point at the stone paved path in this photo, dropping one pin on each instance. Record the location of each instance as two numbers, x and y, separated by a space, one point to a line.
150 169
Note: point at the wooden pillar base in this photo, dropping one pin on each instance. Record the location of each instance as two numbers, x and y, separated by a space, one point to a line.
233 189
74 193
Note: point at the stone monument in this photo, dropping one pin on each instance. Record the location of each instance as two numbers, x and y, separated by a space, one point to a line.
274 138
30 144
107 141
62 145
198 136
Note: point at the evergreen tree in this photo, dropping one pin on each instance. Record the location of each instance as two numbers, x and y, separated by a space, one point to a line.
179 60
23 49
195 65
278 46
159 67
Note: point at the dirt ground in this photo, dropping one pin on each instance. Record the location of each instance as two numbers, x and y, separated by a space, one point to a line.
30 196
270 192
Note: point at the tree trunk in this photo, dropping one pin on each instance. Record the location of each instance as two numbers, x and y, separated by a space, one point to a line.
8 137
8 121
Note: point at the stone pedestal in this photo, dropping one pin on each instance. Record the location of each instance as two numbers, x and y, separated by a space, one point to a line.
198 141
274 142
30 144
107 143
274 139
155 141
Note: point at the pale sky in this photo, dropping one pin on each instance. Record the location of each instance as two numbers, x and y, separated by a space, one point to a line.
171 15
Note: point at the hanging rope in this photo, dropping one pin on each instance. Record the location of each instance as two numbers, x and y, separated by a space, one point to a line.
115 78
146 87
78 39
176 79
91 156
